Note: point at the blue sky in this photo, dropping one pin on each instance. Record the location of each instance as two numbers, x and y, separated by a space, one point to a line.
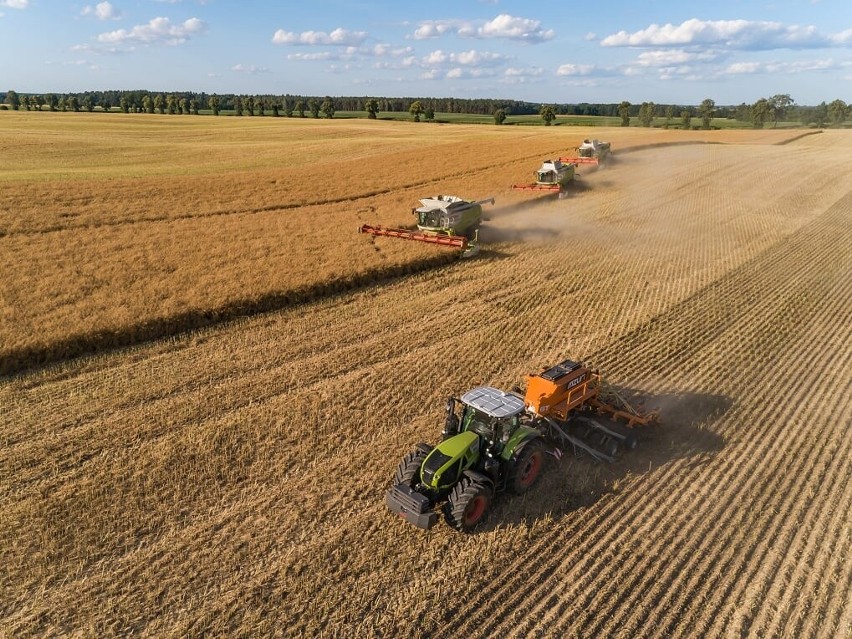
665 51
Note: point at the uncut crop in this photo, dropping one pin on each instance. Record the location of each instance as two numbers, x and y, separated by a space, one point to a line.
118 229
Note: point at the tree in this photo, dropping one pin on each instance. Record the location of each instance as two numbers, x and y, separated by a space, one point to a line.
124 103
287 108
238 105
686 118
160 103
624 113
705 110
646 113
429 113
778 105
106 104
372 108
547 114
669 115
213 102
300 108
73 103
13 100
193 106
416 109
328 107
837 111
314 108
147 103
171 103
499 116
183 106
820 114
759 113
276 109
248 103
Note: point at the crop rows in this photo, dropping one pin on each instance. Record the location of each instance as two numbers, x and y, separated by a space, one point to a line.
230 481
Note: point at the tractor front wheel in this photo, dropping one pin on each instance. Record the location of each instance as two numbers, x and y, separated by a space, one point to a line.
408 471
527 468
468 505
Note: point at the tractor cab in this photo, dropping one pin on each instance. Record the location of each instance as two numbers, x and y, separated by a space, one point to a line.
492 414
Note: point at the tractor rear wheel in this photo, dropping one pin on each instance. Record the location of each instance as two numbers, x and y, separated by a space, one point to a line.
408 471
527 468
468 505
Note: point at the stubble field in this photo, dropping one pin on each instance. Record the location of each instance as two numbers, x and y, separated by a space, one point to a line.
229 480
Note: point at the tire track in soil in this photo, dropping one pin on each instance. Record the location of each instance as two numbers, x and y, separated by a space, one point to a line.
770 358
783 593
761 566
709 579
732 285
605 596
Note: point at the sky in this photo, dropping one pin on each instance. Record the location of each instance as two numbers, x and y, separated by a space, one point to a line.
665 51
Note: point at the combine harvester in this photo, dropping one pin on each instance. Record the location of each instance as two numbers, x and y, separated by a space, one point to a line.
497 441
553 176
592 152
446 220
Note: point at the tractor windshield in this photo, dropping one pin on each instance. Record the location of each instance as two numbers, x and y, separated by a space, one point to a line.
477 422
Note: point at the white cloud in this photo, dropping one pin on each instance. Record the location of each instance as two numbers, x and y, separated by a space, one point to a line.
250 69
668 57
459 72
743 67
503 26
434 29
15 4
389 51
338 37
844 37
512 28
313 57
576 69
735 34
785 68
102 11
157 31
522 75
590 37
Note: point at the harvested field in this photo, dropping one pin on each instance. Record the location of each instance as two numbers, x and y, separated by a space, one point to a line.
229 481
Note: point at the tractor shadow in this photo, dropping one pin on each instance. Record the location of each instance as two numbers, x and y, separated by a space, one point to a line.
687 429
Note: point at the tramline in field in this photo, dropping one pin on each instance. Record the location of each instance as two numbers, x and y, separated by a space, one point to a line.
495 441
447 220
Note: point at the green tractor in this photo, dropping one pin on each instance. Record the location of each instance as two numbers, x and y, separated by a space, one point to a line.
489 445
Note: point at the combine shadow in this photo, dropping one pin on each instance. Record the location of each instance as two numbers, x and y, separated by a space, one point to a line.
686 430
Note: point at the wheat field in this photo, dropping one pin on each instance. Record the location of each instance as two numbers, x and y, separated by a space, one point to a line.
229 480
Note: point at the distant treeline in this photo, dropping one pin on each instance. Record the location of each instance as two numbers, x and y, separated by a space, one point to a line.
265 104
765 110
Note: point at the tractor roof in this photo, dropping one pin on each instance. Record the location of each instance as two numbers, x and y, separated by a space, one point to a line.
493 402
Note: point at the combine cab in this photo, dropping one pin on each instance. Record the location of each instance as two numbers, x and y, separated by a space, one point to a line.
553 176
446 220
495 441
592 152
